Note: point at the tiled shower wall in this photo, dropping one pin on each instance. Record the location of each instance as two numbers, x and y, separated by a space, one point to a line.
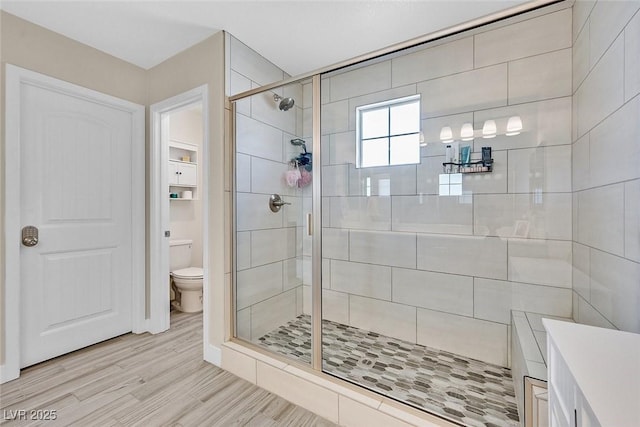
445 271
269 245
606 164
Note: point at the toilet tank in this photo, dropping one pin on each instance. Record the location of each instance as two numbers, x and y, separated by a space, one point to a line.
179 254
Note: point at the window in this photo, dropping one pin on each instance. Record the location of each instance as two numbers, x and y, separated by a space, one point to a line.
388 133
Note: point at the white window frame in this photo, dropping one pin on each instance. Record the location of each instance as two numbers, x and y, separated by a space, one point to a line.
379 105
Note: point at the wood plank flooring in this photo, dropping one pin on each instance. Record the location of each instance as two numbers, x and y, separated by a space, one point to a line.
145 380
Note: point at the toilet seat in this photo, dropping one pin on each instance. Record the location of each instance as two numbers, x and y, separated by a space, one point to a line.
188 273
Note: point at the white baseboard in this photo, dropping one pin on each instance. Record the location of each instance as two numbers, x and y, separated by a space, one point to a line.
7 375
213 355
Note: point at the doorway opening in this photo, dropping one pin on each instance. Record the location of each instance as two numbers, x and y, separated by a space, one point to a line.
178 207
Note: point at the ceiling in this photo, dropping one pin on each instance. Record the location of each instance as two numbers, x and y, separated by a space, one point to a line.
298 36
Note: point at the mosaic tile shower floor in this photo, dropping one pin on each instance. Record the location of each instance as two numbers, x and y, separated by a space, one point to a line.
460 389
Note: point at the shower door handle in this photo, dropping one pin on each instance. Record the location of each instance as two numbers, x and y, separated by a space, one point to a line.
309 225
276 202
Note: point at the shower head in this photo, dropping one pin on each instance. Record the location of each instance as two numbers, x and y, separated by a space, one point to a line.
285 103
299 143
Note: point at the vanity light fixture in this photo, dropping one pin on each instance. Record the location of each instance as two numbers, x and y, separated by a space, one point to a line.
489 129
466 132
446 135
514 126
422 141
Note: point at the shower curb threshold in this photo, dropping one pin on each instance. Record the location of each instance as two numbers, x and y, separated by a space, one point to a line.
329 397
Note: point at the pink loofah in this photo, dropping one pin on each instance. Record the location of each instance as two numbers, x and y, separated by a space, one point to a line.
292 177
305 178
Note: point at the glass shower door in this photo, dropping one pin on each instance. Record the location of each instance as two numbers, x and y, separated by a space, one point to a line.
273 176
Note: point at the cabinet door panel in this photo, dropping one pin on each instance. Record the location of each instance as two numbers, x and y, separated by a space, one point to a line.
188 175
173 173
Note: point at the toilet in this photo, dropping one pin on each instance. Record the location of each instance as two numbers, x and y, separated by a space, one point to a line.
186 281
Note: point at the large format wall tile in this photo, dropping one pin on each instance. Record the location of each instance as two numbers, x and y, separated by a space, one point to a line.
335 243
253 212
258 284
487 183
540 77
632 58
361 279
461 92
334 117
607 21
243 173
382 181
581 11
538 216
601 218
546 169
425 64
544 123
632 220
335 180
469 255
258 139
581 270
335 306
369 213
372 78
602 92
273 245
437 291
387 318
580 164
267 177
615 151
524 39
585 313
614 289
431 131
383 248
479 339
341 149
246 62
544 262
432 214
269 314
264 109
494 299
580 53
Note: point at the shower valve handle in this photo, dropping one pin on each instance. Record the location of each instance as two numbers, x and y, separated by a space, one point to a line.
276 202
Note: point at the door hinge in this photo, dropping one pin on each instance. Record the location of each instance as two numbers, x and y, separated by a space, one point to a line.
167 233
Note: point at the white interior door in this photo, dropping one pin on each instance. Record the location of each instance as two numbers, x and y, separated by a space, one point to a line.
76 188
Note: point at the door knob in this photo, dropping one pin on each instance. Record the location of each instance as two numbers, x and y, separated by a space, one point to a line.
276 202
29 235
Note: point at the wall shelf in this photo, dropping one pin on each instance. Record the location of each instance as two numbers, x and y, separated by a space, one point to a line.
183 168
471 167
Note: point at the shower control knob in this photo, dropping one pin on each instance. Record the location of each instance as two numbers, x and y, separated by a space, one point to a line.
276 202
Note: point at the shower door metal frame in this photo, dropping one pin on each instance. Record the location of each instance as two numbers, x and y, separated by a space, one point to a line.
316 229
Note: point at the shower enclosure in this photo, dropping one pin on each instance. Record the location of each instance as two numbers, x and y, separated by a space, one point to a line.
421 197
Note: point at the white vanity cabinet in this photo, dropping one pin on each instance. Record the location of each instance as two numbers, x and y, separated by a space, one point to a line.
183 170
594 376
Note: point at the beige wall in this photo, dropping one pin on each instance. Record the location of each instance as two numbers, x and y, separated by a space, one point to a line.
35 48
196 66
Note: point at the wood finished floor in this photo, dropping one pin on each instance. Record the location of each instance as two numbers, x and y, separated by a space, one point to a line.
146 380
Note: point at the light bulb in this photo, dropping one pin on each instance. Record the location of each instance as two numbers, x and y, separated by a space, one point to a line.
422 143
514 126
466 132
489 129
446 135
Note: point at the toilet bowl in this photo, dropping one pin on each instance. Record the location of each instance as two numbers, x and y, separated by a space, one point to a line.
186 281
187 284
